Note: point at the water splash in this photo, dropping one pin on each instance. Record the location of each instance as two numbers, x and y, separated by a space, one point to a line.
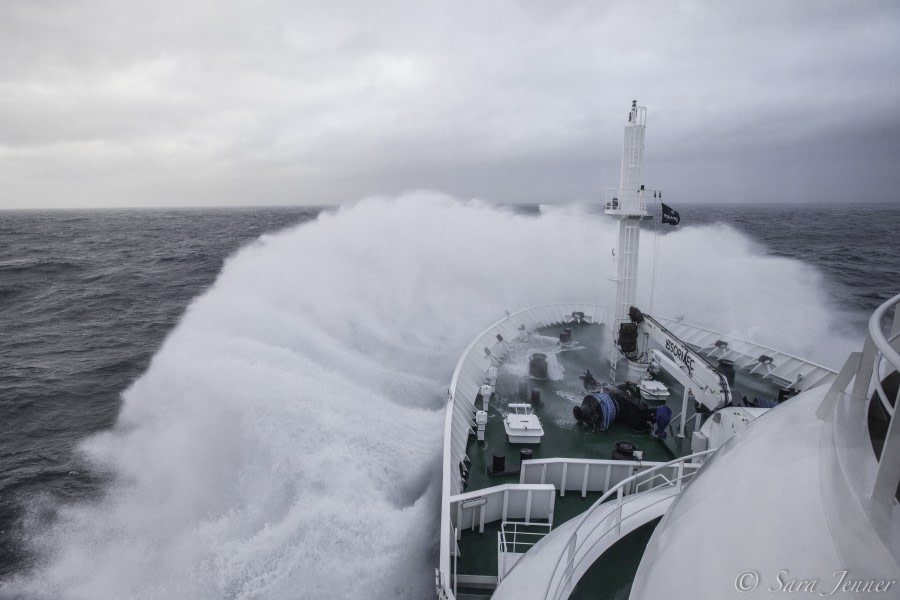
285 440
719 278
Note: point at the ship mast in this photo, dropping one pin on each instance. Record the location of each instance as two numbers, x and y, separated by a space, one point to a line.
627 203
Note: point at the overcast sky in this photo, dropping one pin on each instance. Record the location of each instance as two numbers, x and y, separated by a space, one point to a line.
263 102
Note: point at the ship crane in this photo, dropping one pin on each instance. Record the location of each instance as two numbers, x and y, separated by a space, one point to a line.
710 387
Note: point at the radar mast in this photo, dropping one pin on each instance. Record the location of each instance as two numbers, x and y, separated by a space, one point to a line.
628 204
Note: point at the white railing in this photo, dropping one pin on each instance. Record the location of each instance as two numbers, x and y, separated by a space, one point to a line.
879 360
682 431
857 468
584 474
560 583
516 538
472 371
625 201
501 503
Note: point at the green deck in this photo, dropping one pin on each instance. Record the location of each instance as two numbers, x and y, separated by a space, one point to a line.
563 437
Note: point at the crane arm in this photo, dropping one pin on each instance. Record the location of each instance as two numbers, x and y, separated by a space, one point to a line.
709 386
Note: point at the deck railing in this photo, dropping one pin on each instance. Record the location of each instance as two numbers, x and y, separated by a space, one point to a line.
516 538
879 360
502 503
575 553
690 426
587 474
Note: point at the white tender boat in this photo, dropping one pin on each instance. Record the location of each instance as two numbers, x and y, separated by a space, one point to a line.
653 391
522 426
702 497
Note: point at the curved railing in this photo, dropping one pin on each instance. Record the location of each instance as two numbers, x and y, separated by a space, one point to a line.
878 361
885 355
560 583
472 371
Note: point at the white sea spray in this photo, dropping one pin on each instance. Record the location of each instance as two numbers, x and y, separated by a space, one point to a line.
285 440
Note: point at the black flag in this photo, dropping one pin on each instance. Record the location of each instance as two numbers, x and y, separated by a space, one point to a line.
670 216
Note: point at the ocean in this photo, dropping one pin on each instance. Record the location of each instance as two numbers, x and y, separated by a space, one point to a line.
246 403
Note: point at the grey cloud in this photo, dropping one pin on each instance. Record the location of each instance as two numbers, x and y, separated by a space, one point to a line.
238 102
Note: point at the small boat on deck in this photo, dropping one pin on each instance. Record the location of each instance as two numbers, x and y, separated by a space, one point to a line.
653 391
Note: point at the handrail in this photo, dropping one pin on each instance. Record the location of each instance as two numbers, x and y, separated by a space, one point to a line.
667 481
878 350
504 547
571 547
694 417
883 345
875 381
514 531
883 349
499 501
616 522
442 573
595 474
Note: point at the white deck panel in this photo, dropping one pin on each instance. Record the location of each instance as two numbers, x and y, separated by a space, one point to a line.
773 498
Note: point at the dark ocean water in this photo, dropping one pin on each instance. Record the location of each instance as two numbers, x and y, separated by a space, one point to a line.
86 299
856 247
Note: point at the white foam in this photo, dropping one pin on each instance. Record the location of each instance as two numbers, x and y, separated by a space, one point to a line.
518 361
285 440
716 277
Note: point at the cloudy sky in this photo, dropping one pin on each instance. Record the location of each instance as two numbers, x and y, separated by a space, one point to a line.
264 102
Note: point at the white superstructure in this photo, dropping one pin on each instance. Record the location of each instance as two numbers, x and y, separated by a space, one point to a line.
797 503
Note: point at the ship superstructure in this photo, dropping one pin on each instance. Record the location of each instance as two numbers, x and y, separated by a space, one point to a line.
549 463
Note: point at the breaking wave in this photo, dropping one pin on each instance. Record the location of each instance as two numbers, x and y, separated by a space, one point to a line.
285 440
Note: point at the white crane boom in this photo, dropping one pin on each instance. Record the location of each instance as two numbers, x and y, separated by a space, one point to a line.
709 386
